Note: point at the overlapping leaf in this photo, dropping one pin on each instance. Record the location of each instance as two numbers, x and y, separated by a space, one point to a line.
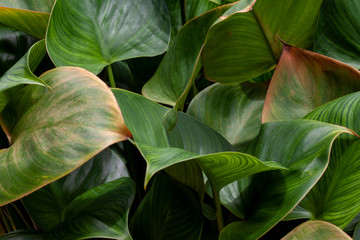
316 230
30 16
24 235
244 45
338 31
98 33
304 81
38 121
335 197
233 111
302 146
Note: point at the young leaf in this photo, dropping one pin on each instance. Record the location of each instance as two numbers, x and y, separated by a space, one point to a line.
304 81
243 45
38 121
30 16
303 147
338 31
98 33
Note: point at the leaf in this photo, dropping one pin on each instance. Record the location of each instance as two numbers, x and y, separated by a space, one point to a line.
30 16
13 46
100 212
243 45
316 230
337 34
304 81
168 211
24 235
46 205
233 111
22 71
178 69
265 198
98 33
334 197
38 121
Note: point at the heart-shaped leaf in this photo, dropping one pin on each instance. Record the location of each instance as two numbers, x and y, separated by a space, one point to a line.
38 121
168 211
30 16
304 81
233 111
46 205
244 45
265 198
338 31
316 230
98 33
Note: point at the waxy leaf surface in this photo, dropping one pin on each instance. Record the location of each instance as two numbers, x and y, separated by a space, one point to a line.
334 197
79 113
338 34
233 111
304 81
316 230
303 147
98 33
30 16
243 45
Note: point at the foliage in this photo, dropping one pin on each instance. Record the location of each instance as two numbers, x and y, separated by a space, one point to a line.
165 153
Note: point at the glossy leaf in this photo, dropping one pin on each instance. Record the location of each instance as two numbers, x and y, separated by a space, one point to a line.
265 198
22 71
173 79
30 16
233 111
338 31
38 121
304 81
334 197
168 211
316 230
46 205
101 212
244 45
98 33
13 46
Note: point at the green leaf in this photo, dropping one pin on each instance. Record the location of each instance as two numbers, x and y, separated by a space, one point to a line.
30 16
334 197
13 46
304 81
265 198
316 230
173 79
24 235
38 121
337 33
243 45
46 205
22 71
98 33
168 211
233 111
101 212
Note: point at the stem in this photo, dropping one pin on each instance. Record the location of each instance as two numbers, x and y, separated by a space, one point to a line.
6 224
21 215
219 215
111 76
183 11
11 221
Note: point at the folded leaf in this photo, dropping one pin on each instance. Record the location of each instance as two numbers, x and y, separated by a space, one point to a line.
98 33
304 81
38 121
